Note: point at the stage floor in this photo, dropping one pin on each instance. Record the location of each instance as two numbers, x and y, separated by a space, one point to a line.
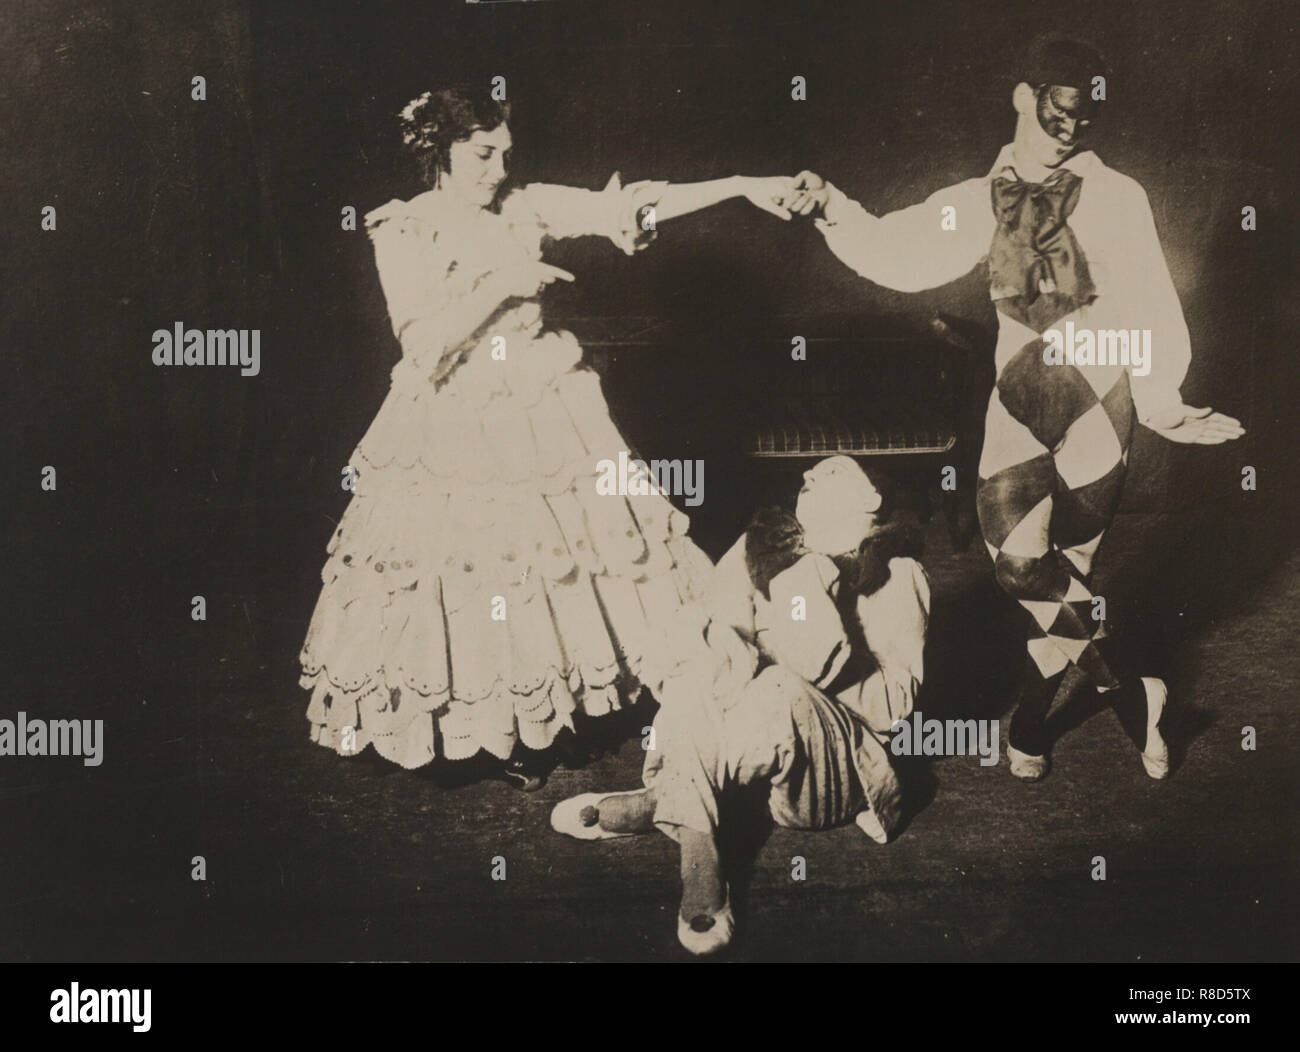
313 857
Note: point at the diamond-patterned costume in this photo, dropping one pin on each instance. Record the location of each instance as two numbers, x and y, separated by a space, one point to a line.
1079 247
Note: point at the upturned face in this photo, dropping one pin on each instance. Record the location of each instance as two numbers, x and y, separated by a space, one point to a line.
477 165
836 506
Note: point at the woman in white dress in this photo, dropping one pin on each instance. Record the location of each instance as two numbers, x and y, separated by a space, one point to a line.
479 591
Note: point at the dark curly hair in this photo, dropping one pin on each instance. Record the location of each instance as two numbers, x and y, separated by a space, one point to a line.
436 119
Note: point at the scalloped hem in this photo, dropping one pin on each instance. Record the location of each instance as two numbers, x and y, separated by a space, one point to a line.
413 734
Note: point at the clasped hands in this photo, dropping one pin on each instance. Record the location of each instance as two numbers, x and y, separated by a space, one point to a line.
783 196
786 196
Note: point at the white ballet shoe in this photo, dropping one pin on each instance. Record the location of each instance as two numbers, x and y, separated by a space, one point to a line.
566 817
1155 757
868 822
1025 767
707 933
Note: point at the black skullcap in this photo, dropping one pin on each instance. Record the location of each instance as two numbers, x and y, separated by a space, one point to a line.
1070 63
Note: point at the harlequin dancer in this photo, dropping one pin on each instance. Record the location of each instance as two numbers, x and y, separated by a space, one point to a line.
1066 239
480 592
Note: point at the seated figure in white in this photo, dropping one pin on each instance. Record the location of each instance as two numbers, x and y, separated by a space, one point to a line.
791 672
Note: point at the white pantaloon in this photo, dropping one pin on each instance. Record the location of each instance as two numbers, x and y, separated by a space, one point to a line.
730 719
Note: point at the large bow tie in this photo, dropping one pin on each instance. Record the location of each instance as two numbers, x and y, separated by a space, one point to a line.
1037 271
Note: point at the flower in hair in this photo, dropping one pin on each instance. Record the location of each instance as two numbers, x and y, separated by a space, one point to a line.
410 132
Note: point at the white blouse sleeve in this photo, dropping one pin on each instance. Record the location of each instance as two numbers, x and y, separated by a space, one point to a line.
422 284
624 214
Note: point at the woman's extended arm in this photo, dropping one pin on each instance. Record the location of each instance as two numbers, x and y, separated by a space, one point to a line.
628 215
769 193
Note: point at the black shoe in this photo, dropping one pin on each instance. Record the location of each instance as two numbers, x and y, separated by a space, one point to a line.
522 776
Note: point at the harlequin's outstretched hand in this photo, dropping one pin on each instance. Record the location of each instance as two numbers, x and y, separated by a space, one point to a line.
1182 423
810 194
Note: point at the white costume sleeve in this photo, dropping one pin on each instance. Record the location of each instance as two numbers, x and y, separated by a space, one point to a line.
915 248
1147 274
802 627
615 212
894 621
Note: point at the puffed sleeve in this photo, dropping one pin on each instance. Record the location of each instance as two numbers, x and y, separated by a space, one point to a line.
422 285
620 213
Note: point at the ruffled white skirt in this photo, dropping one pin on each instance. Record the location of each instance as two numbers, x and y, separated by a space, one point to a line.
478 590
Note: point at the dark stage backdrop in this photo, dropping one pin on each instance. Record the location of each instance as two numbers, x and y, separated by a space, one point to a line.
226 213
